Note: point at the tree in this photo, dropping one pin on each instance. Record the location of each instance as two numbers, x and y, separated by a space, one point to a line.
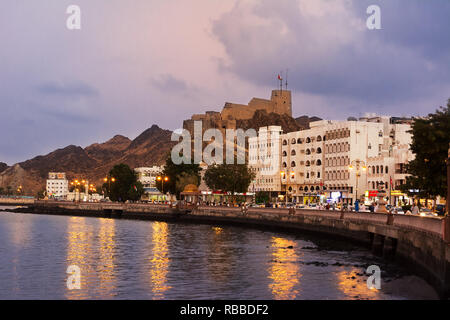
179 176
233 178
430 143
126 185
262 197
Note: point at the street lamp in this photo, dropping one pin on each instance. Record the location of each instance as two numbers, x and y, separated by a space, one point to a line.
162 179
109 179
359 166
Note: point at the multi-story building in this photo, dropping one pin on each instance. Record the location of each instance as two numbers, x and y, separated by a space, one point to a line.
147 176
264 155
302 169
340 161
57 185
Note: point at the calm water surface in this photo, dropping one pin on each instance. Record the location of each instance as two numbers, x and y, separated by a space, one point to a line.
126 259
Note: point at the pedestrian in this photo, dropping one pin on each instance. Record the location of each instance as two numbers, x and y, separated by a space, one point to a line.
356 205
415 209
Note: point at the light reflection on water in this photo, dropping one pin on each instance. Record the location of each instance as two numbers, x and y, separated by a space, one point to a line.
284 270
159 260
128 259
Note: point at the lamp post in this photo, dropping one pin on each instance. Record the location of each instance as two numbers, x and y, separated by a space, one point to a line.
358 166
162 179
283 177
109 179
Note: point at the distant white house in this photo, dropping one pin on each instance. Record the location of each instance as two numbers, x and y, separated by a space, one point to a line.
57 185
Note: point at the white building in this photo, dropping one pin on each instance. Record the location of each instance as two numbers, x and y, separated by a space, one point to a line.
147 176
264 156
336 161
57 185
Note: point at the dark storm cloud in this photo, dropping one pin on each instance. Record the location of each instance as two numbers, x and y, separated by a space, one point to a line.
334 55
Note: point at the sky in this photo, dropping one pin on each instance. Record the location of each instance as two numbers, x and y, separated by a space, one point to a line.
142 62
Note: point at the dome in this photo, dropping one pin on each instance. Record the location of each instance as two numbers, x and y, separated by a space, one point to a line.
190 188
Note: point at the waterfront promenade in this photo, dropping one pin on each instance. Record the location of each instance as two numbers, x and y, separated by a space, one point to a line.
421 242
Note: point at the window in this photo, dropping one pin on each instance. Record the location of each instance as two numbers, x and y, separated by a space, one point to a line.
299 140
284 165
386 171
308 163
293 153
319 162
284 153
308 140
319 150
319 138
284 142
293 141
293 164
308 151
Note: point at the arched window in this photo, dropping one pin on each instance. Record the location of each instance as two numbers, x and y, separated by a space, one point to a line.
308 163
300 188
373 170
378 169
308 151
293 164
284 165
318 174
308 140
381 169
319 150
319 162
319 138
317 188
299 140
306 188
293 153
373 185
386 169
293 141
284 153
284 142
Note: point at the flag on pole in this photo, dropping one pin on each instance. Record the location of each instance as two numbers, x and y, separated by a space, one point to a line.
392 185
279 77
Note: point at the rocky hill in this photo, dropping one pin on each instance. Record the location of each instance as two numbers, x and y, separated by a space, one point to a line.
3 166
261 118
93 162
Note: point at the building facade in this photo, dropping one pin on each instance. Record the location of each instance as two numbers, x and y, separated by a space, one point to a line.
339 161
264 156
147 176
57 185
